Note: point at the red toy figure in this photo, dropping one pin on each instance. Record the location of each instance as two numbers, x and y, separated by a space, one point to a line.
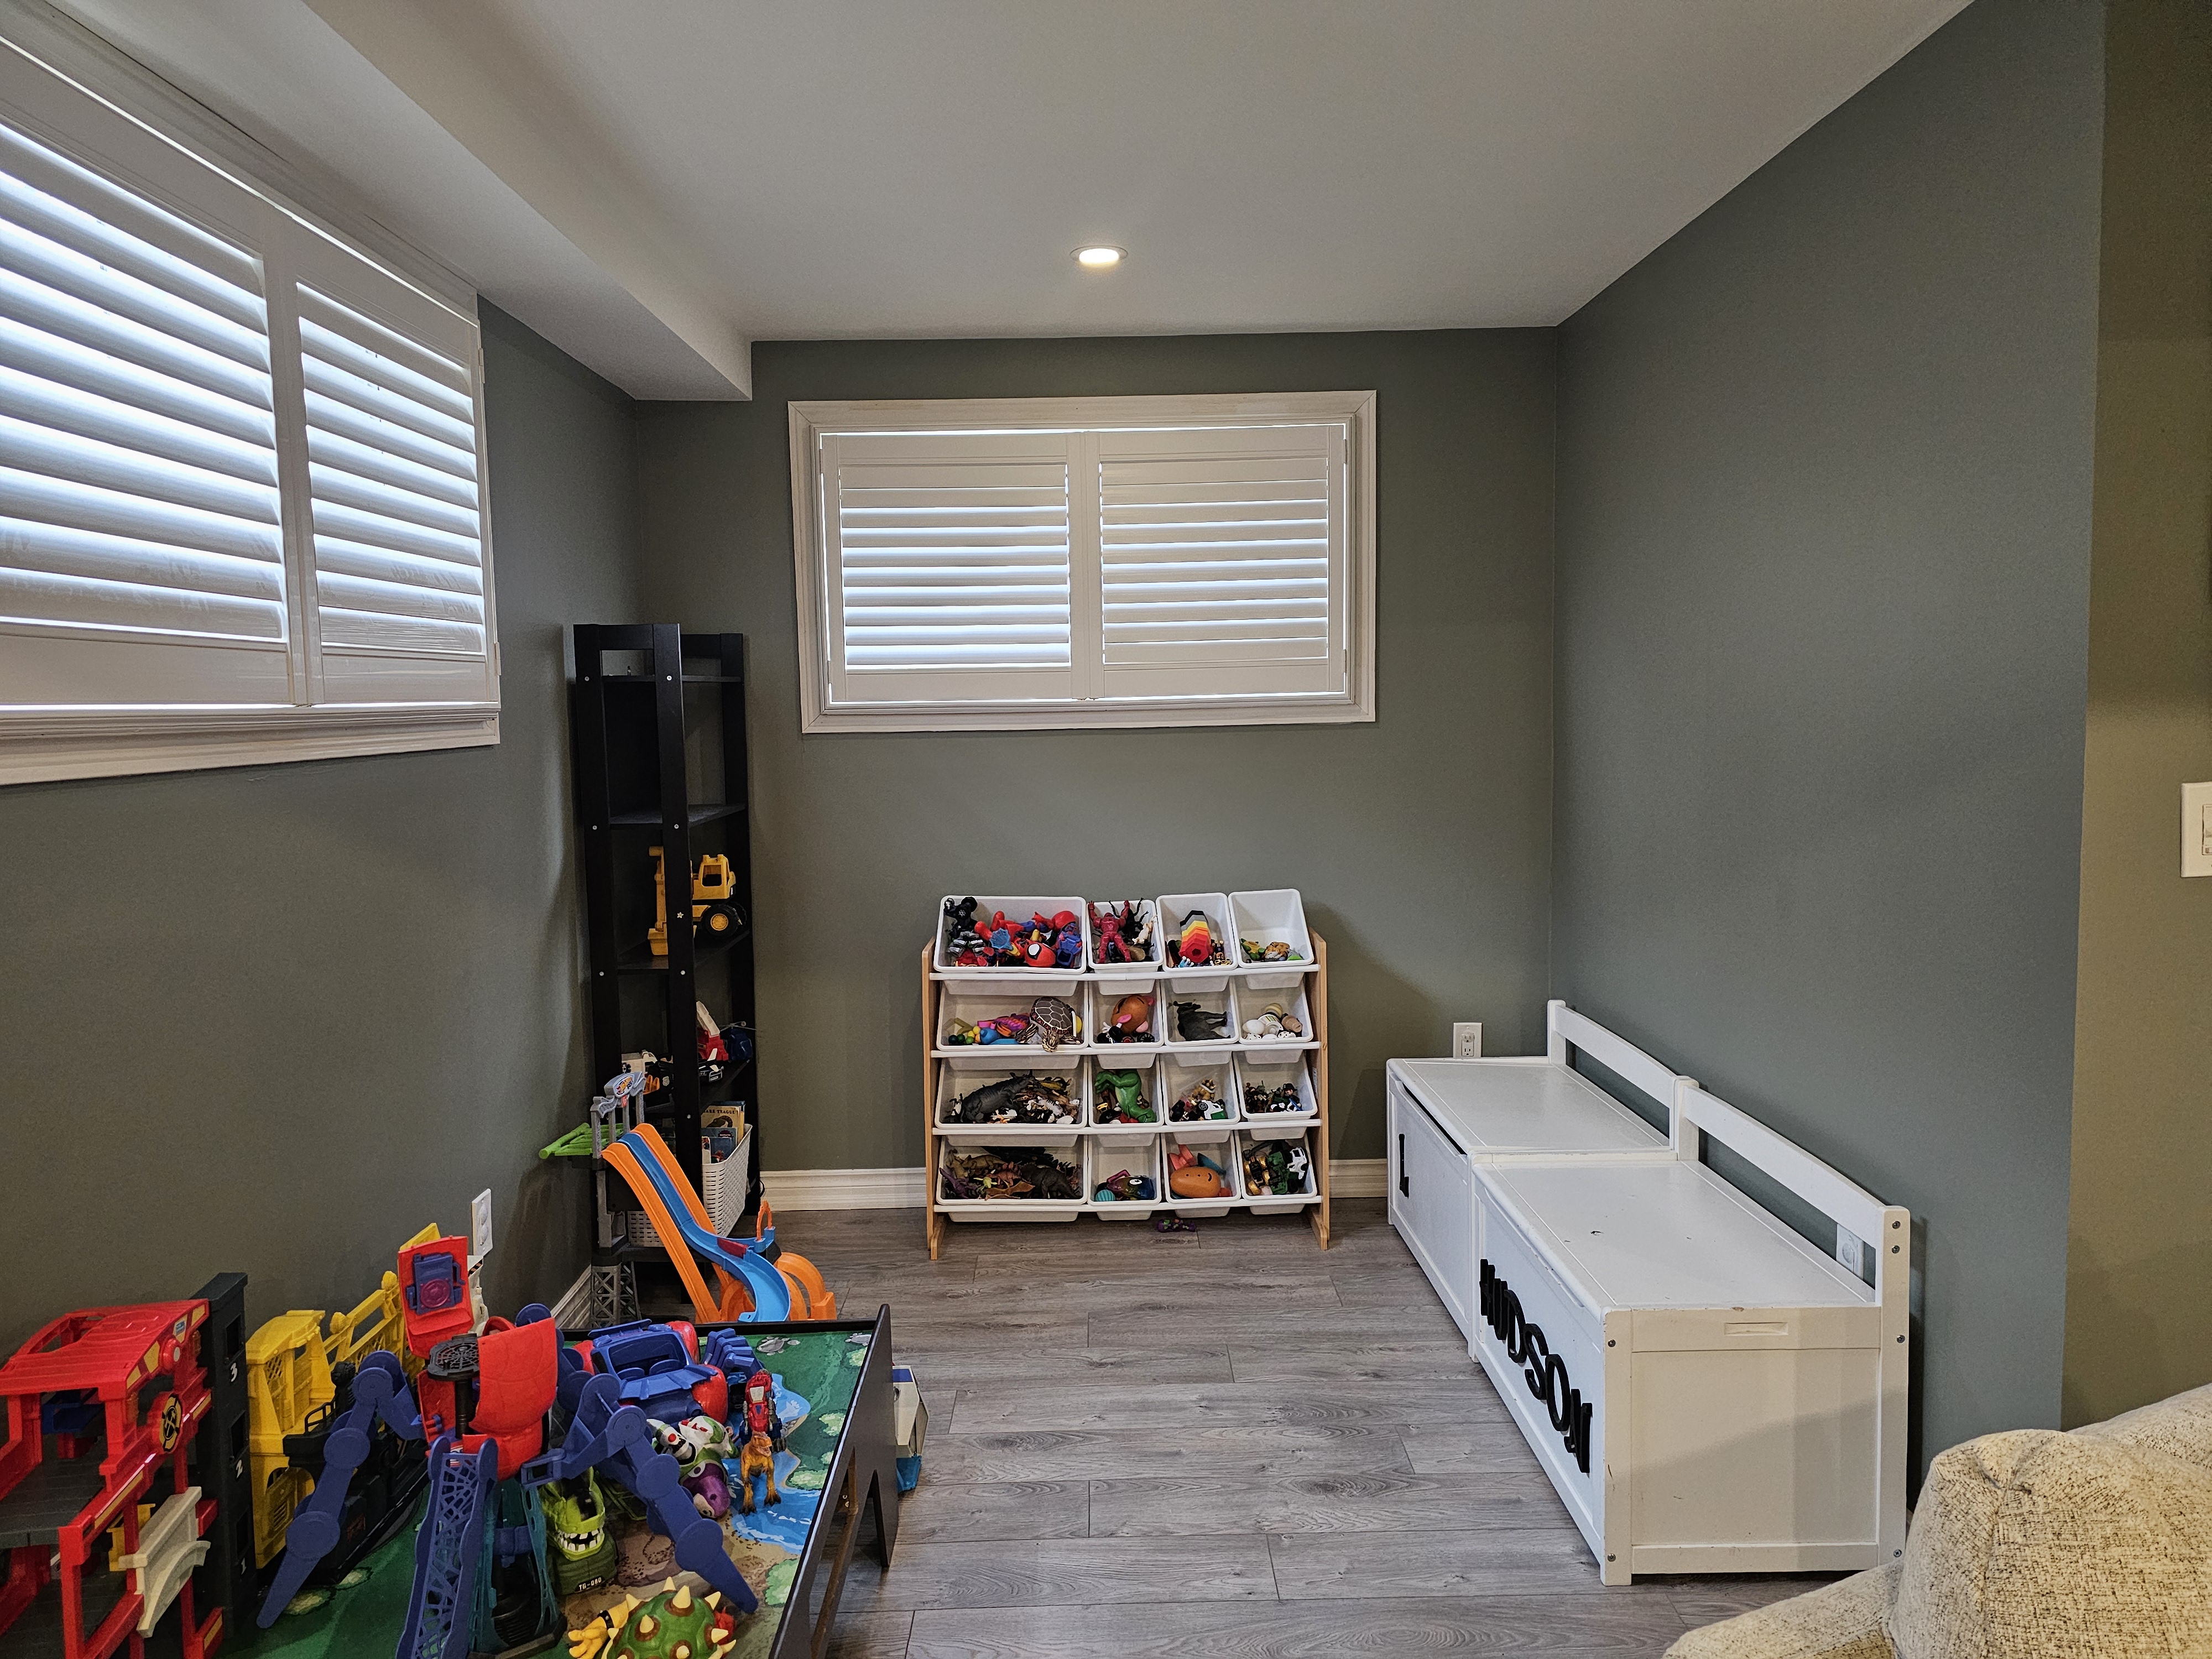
135 1371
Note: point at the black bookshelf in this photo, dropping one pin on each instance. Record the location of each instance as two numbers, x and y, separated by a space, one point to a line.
659 725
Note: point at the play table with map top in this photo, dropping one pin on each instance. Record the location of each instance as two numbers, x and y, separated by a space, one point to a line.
837 1470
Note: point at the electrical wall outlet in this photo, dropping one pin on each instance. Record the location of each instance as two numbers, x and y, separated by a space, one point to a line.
480 1223
2197 828
1467 1039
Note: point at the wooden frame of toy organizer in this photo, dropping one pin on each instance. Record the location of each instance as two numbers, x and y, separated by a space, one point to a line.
935 1217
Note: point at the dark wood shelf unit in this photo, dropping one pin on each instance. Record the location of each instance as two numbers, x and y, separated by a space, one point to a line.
657 720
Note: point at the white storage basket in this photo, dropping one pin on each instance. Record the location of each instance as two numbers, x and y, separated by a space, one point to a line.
1108 1156
1177 1074
1173 908
1221 1002
1099 1020
1018 910
1275 915
1118 978
973 1003
1219 1153
1148 1072
951 1086
1266 1203
1254 1070
1070 1156
1250 1004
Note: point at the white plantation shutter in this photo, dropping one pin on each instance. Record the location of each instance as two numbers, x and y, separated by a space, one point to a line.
949 567
141 540
240 490
1222 561
1186 560
398 539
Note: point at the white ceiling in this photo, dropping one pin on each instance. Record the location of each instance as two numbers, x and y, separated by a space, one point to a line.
652 184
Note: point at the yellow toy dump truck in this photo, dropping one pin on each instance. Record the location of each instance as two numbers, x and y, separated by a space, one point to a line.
715 916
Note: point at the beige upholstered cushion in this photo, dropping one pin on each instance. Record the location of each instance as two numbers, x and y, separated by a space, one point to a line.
2037 1545
1842 1620
2180 1427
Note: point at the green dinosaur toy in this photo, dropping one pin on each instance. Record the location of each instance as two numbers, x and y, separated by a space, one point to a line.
1121 1096
579 1548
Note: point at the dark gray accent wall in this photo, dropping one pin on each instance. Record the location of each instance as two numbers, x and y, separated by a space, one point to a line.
1420 841
277 1018
1823 487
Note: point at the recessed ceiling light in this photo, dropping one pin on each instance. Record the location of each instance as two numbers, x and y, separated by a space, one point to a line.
1101 257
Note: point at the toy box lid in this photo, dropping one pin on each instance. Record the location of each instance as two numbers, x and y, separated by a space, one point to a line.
1525 1108
1665 1235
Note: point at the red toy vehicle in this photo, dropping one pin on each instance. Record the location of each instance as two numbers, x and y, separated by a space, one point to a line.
128 1381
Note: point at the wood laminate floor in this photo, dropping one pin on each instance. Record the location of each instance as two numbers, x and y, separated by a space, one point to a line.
1221 1448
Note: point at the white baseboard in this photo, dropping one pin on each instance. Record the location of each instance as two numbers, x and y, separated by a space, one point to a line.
903 1189
1358 1177
844 1189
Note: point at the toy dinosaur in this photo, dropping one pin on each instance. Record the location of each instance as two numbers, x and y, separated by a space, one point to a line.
1119 1098
577 1545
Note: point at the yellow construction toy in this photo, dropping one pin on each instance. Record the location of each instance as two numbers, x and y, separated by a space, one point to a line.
288 1380
714 914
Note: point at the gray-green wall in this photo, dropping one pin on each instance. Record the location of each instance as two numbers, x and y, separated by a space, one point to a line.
276 1018
2139 1267
1825 467
1420 841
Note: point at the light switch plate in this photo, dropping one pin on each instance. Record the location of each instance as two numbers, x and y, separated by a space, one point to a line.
480 1223
1467 1039
2197 828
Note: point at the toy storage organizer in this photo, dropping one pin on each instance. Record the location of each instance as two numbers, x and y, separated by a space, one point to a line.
659 729
1165 1063
1707 1391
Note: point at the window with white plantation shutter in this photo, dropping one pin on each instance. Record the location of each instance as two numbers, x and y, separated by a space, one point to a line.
1078 561
240 490
949 561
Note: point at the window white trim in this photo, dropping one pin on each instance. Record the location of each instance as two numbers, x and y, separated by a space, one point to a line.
1118 424
127 701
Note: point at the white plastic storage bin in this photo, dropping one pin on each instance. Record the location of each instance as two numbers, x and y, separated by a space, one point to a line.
1147 1076
1177 1076
953 1086
1262 1202
1273 916
1707 1391
1069 1155
973 1003
1251 1003
1221 1154
1222 1002
1444 1117
1253 1072
1108 1156
1018 910
1118 978
1173 906
1100 1019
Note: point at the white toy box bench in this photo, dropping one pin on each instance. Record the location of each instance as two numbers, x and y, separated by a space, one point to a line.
1708 1391
1445 1117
